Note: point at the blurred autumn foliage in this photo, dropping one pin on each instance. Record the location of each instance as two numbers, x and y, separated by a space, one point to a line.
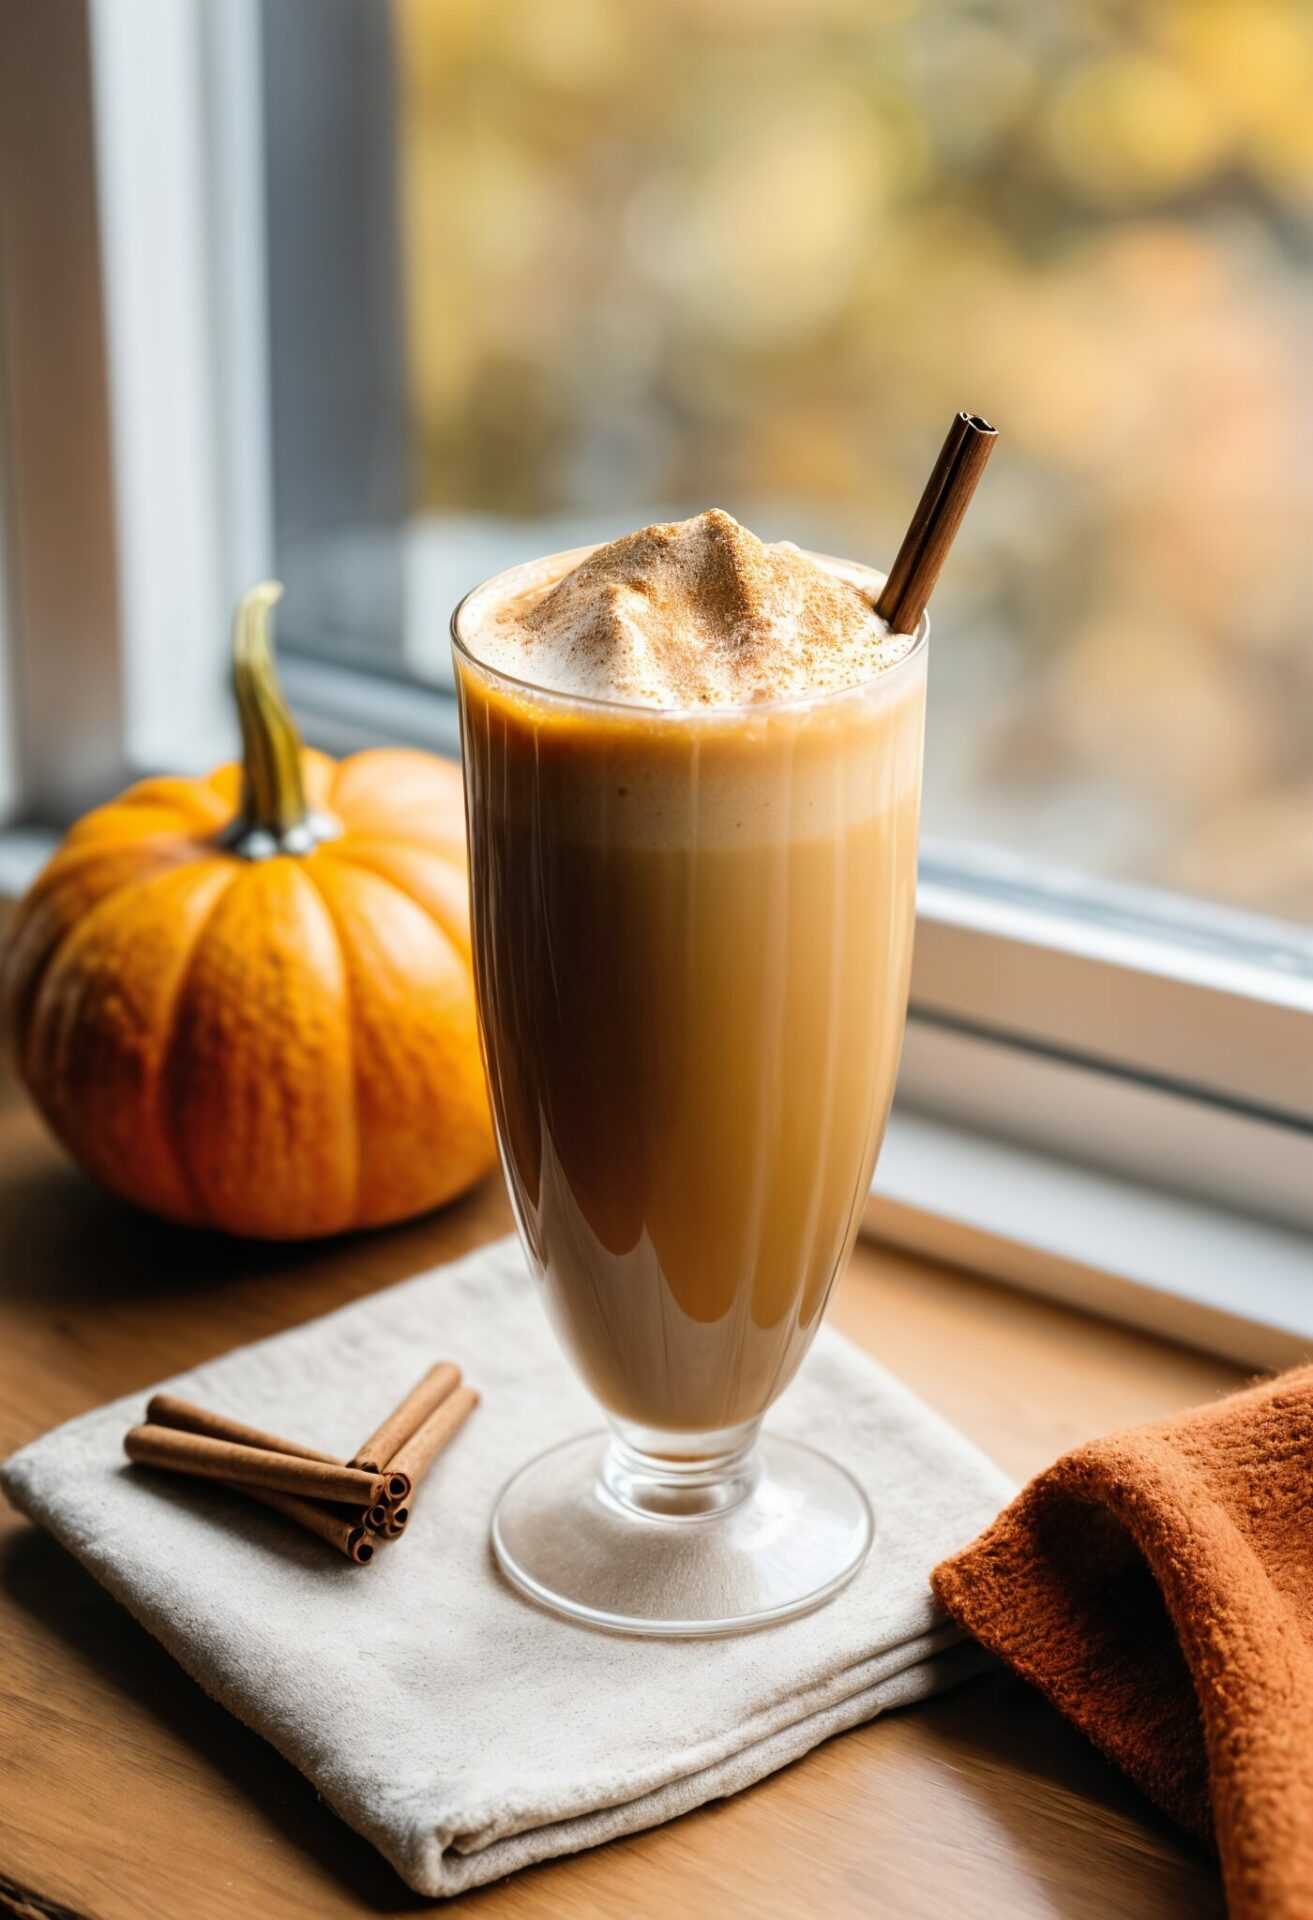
668 253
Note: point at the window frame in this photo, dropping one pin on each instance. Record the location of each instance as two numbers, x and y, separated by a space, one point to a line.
1106 1026
1207 1002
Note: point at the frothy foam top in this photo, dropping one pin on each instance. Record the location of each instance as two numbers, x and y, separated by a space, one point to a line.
692 613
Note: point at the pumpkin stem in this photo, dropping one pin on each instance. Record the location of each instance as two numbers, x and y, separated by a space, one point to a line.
273 790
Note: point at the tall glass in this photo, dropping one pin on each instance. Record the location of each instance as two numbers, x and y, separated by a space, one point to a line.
692 935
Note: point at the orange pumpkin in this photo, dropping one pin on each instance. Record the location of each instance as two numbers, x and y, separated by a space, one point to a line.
246 1001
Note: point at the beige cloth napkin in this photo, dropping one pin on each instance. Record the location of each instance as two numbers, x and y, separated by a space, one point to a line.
459 1728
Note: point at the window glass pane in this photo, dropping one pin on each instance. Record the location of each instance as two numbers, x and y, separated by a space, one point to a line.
602 261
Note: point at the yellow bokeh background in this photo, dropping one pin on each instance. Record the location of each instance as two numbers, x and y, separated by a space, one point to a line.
661 254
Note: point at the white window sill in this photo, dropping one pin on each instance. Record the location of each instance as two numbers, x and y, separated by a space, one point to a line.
1171 1264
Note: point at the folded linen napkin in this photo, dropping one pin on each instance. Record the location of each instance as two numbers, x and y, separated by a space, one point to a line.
459 1728
1158 1587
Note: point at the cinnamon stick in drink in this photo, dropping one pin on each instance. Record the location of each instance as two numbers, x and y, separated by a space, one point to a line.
194 1453
165 1410
938 516
415 1458
379 1451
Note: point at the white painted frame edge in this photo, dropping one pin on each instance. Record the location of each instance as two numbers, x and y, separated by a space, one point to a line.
178 115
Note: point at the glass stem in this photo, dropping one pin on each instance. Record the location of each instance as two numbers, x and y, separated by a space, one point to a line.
679 1476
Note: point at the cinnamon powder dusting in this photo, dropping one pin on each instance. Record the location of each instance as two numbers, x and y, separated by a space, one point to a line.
694 612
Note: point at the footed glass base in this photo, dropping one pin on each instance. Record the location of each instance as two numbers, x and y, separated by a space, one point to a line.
634 1542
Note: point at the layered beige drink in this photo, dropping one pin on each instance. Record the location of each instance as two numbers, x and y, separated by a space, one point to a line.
693 773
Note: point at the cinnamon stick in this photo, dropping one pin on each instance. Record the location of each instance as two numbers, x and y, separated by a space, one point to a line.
378 1452
415 1458
341 1530
166 1411
194 1453
938 516
388 1519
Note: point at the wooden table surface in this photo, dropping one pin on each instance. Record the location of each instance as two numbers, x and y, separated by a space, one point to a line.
126 1794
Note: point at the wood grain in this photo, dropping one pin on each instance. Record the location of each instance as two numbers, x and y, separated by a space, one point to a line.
125 1792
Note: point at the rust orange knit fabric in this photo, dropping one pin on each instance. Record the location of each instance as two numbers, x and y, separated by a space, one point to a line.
1158 1587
